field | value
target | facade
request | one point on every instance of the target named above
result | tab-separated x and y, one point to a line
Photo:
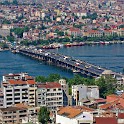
65	91
50	94
94	33
74	32
1	98
18	88
13	115
80	92
74	115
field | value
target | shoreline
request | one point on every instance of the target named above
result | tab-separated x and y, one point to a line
78	44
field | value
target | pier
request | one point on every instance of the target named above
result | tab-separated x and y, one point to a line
63	61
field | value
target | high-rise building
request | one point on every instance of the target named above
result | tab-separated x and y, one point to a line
18	88
50	94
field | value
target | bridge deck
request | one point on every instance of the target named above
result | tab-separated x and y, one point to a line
81	66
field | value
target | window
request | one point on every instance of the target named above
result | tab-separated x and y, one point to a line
16	90
9	103
9	98
59	89
48	89
54	89
8	90
17	98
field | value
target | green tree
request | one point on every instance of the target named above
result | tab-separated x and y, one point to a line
107	85
5	21
53	77
121	26
19	31
44	115
15	2
10	38
40	79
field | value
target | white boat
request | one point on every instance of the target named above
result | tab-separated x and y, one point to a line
1	49
76	71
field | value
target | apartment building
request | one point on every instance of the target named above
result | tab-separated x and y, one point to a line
13	115
80	92
1	98
18	88
65	91
50	94
94	33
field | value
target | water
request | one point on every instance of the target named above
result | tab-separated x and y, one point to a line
15	63
109	56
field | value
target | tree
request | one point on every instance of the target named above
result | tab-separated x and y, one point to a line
53	77
107	85
121	26
15	2
5	21
10	38
40	79
43	115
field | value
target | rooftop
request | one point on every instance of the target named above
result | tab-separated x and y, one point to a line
106	120
73	111
49	85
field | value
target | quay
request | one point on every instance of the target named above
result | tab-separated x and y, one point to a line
63	61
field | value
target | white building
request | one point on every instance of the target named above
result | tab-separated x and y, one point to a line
80	92
18	88
50	94
74	115
65	91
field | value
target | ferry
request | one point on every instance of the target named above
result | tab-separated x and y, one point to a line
52	46
74	44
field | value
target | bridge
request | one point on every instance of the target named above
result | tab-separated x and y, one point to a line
67	62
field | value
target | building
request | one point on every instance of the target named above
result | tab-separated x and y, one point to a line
74	115
94	33
75	32
65	91
13	114
1	98
80	92
114	103
106	120
50	94
18	88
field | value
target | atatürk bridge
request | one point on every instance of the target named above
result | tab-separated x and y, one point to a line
63	61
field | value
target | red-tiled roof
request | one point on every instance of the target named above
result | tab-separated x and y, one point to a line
12	82
109	105
31	82
50	85
121	115
19	82
106	120
71	111
100	100
74	29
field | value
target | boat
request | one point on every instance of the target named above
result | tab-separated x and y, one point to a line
68	45
1	49
102	43
76	71
74	44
